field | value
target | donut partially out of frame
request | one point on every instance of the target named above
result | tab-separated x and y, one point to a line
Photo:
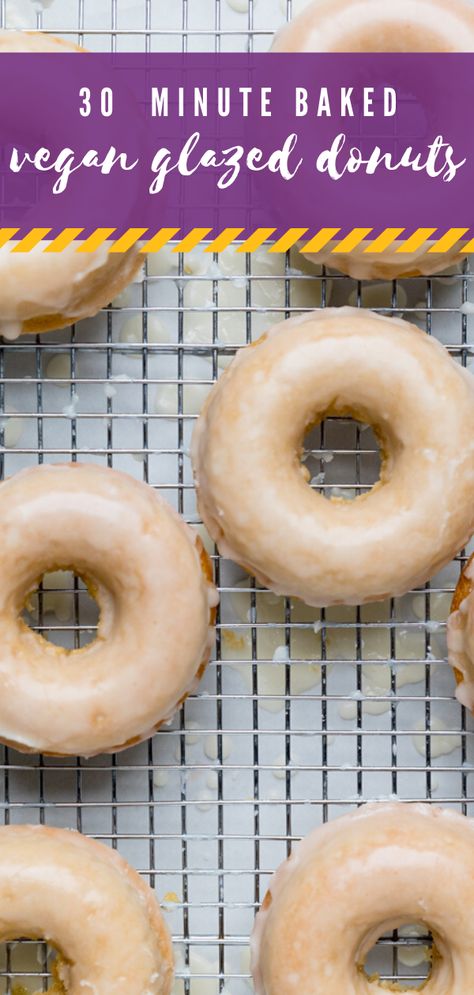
382	26
90	905
41	291
355	879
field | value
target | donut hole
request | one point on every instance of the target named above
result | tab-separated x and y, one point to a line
31	966
62	610
342	458
402	958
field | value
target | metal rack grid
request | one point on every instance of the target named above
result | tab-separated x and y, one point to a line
281	734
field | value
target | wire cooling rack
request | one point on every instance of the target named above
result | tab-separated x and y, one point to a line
302	714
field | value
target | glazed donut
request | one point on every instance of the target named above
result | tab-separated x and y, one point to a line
353	880
90	905
252	488
382	26
153	584
460	634
40	292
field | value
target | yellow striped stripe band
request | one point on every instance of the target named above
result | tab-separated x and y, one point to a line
149	240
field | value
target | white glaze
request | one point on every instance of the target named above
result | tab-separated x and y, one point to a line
271	677
439	604
381	26
85	900
70	410
12	427
376	683
305	646
194	396
348	882
212	780
10	329
413	956
440	746
240	6
199	965
58	368
205	801
132	331
268	285
192	736
156	604
378	295
252	490
161	263
211	746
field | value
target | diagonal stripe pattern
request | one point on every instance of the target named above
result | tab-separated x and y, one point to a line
148	240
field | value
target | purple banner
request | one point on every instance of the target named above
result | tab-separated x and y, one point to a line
214	141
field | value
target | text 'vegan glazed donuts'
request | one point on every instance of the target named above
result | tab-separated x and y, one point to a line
153	583
90	905
41	291
382	26
460	635
252	488
357	878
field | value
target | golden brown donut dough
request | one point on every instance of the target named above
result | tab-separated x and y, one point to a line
382	26
460	634
41	292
